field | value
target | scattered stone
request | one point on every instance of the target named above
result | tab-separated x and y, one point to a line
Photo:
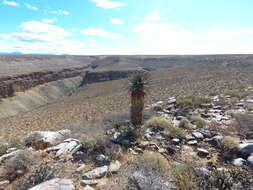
8	156
81	168
202	152
87	187
175	141
90	182
49	138
4	184
125	138
250	161
69	146
215	140
198	135
172	100
146	180
189	138
96	173
192	143
55	184
239	162
114	166
246	149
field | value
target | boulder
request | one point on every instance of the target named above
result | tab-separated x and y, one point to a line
147	180
69	146
4	184
125	138
114	167
96	173
87	187
55	184
198	135
192	143
8	156
46	139
250	161
239	162
245	150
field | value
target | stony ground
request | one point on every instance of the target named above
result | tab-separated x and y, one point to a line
99	99
195	142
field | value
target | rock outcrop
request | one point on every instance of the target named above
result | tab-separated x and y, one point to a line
10	85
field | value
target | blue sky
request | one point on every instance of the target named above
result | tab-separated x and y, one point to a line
92	27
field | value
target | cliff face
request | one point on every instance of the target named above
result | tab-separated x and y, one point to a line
10	85
102	76
21	83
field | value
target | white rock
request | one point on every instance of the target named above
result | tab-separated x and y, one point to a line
87	187
81	168
90	182
239	162
198	135
97	172
4	184
52	137
8	156
55	184
114	167
69	146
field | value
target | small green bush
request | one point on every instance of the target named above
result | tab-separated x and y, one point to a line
163	124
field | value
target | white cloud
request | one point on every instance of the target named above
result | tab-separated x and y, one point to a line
100	33
60	12
153	17
116	21
167	10
38	37
31	7
106	4
49	21
164	38
11	3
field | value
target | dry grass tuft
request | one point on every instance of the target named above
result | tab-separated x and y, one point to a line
163	124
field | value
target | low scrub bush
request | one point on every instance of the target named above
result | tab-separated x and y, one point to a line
184	177
229	148
192	101
163	124
198	121
39	175
244	120
22	161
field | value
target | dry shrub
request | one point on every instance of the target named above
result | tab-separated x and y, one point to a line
245	121
33	139
151	161
11	143
163	124
39	175
185	124
192	101
22	161
232	178
198	121
229	148
184	177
